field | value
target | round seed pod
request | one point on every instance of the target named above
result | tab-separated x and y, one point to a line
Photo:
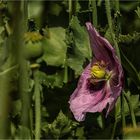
33	45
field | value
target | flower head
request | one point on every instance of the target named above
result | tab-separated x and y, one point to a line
101	82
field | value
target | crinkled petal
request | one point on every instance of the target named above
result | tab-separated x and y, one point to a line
86	99
102	49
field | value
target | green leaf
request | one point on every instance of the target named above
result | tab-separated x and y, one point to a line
54	80
16	108
79	45
55	9
55	47
134	102
100	121
60	127
128	6
75	62
22	132
80	133
138	11
80	37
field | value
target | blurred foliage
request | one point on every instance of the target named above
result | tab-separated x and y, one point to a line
66	52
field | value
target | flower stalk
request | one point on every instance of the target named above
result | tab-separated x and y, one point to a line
108	12
94	13
131	111
37	105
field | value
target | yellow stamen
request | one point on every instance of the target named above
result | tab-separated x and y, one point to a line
98	72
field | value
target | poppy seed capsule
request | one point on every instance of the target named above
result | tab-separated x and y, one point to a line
33	45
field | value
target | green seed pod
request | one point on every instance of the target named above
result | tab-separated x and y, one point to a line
33	45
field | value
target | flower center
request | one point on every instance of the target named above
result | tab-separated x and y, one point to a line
98	71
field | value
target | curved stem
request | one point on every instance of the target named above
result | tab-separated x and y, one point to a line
37	105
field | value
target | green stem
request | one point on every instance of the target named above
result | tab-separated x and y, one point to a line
108	12
37	105
25	13
4	104
25	96
99	2
24	78
117	5
70	10
122	111
114	126
65	73
117	13
94	13
131	111
114	129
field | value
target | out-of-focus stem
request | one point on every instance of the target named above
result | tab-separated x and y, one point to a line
4	105
25	6
19	27
108	12
94	13
117	5
37	105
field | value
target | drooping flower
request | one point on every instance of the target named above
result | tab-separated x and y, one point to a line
101	82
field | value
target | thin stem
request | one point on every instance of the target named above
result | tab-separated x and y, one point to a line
108	12
70	10
117	5
131	111
122	111
37	105
25	13
114	129
94	13
65	73
114	126
117	13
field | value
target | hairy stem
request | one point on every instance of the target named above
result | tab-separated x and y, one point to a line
37	105
108	12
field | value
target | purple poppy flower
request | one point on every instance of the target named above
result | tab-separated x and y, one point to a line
101	82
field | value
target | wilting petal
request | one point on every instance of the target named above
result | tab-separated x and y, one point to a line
102	49
95	92
84	99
